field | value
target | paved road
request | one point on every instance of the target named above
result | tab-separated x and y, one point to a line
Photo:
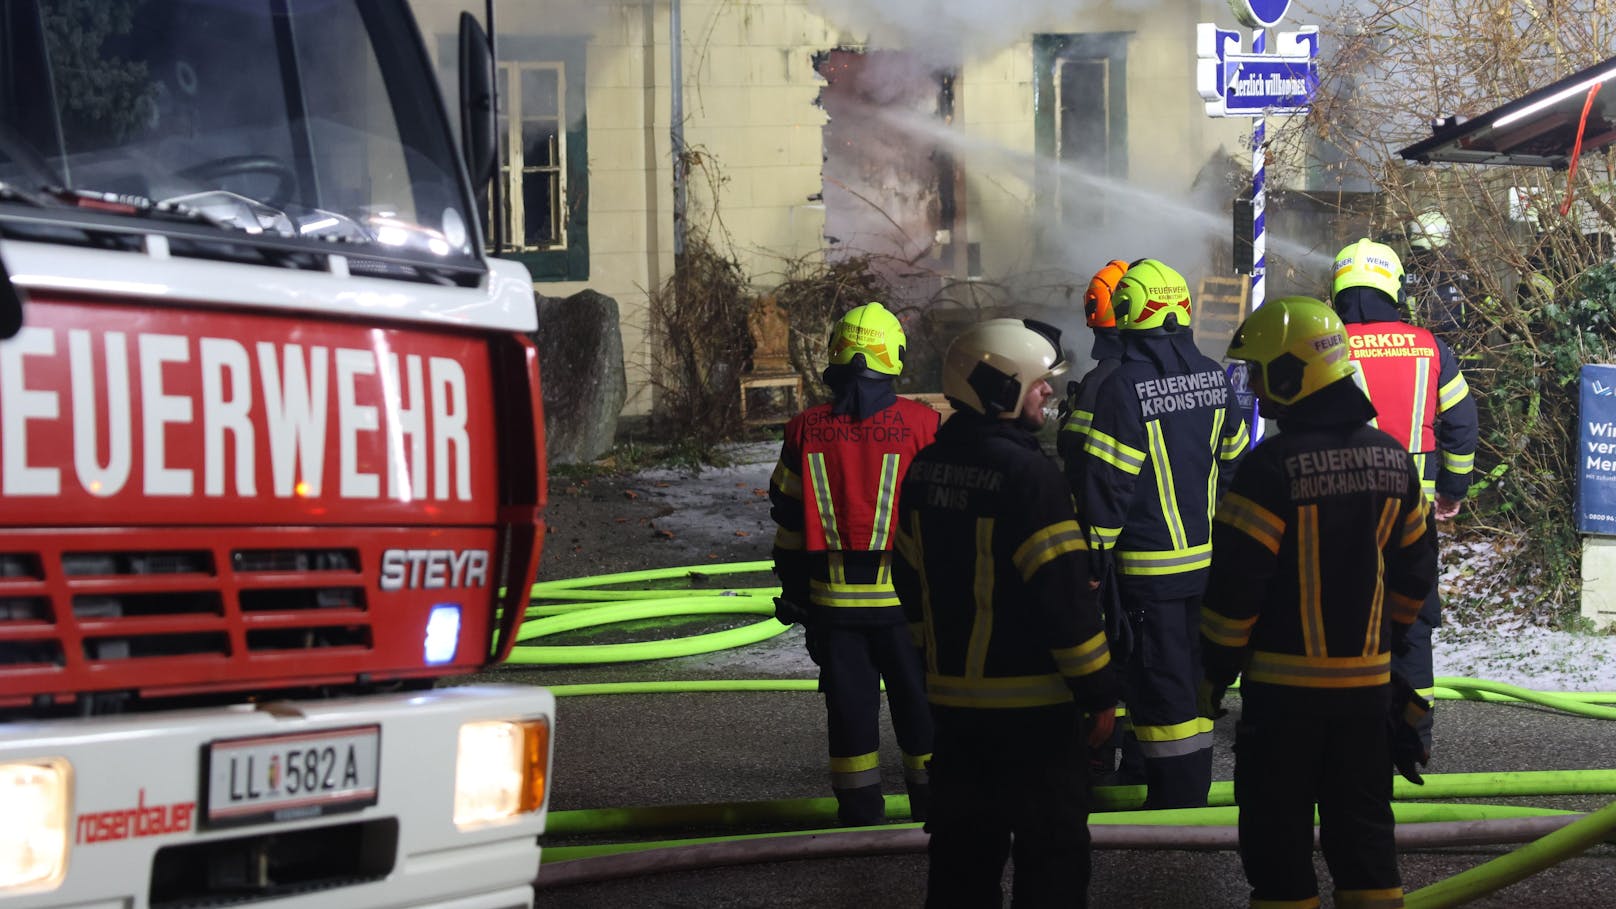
676	749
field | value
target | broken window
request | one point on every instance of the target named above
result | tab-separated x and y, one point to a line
1084	123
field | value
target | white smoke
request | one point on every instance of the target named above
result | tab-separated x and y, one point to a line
951	32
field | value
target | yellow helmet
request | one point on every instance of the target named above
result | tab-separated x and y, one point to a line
1097	309
989	367
872	331
1295	345
1152	297
1369	264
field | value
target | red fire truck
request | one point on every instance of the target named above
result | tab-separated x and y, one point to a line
271	466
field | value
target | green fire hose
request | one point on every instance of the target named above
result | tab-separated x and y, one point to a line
579	603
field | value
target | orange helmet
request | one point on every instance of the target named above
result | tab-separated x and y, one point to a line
1097	299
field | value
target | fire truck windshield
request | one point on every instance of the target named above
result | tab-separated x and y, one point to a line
292	120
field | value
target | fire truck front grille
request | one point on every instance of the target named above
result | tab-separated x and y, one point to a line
89	564
24	612
267	866
187	620
135	647
19	565
131	605
290	599
286	560
308	638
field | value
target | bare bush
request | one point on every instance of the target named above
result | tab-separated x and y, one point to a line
699	329
815	294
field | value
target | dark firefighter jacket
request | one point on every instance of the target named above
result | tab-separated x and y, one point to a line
1079	410
834	495
1421	396
1165	434
993	573
1442	287
1323	552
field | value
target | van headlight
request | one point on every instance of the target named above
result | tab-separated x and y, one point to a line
501	770
35	801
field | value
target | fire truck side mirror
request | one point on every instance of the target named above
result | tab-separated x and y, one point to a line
10	305
478	119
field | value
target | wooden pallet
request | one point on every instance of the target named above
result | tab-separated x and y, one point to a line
1220	306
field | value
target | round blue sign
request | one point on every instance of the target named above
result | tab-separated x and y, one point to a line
1259	13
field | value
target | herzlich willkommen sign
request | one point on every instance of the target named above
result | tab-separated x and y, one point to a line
1236	84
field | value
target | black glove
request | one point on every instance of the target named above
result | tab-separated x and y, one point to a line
1209	699
1399	640
1067	405
1118	629
1403	716
790	607
788	612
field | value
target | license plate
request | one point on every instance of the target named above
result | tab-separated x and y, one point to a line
298	775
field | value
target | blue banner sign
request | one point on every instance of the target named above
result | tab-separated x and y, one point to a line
1596	451
1264	83
1236	84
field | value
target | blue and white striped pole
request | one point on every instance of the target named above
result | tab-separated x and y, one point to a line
1259	239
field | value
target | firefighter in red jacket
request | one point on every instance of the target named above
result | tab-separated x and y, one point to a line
1413	378
1323	551
993	573
834	495
1165	433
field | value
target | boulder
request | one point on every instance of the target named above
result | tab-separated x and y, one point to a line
581	368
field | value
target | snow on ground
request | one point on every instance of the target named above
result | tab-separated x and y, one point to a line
1500	649
1485	635
1531	657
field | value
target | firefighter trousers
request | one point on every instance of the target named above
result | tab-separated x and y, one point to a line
1415	663
1289	758
1009	784
1170	736
853	661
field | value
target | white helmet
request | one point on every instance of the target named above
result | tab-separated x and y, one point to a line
989	367
1430	230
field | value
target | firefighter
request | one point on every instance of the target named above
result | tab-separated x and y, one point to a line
1442	281
1078	408
1076	413
1165	433
834	496
993	574
1323	550
1423	401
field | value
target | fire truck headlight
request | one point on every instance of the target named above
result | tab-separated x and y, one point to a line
442	633
35	801
501	770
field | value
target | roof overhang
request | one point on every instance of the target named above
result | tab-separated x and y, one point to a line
1535	130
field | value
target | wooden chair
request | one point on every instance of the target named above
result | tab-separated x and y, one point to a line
771	362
